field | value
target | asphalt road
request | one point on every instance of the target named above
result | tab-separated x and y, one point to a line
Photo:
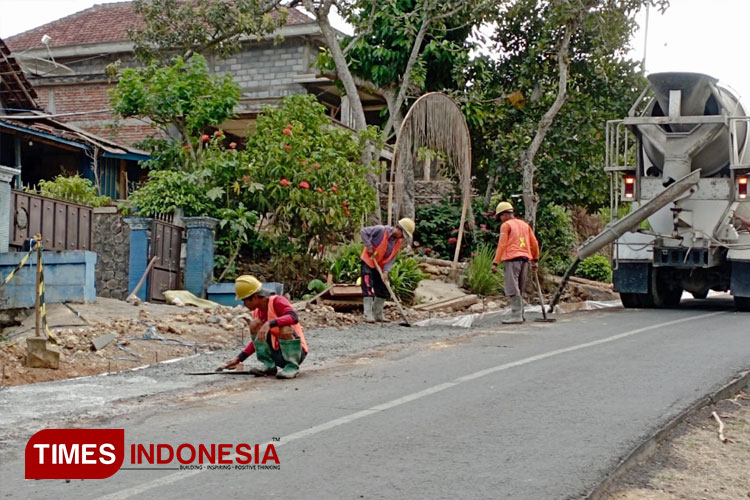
541	411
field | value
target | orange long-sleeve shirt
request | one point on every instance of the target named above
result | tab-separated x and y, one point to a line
516	240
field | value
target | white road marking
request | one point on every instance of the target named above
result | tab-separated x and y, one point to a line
178	476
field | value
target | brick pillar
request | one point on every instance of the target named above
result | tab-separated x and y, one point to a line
140	227
199	264
6	178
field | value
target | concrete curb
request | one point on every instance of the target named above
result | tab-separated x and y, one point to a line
647	449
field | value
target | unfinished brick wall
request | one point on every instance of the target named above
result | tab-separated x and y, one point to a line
267	70
78	97
262	70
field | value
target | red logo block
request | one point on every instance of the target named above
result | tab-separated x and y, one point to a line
75	453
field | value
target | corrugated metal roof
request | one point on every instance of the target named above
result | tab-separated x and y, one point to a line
15	90
68	134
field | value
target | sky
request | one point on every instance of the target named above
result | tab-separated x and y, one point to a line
703	36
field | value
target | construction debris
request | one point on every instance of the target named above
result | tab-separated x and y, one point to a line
455	303
185	298
100	343
580	289
340	297
41	354
722	437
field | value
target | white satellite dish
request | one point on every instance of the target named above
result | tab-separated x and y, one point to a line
38	66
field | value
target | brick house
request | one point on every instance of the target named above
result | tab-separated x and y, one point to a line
42	147
68	71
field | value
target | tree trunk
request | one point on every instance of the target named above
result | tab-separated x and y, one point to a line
355	103
490	186
530	198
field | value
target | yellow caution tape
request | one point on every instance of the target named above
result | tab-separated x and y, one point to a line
18	267
42	305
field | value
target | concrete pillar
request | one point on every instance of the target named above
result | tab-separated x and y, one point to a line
140	227
199	264
6	178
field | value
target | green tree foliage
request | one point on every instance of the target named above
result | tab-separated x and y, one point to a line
543	105
215	187
386	32
183	95
398	47
596	267
313	182
557	237
186	28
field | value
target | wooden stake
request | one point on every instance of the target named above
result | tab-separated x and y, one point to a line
134	294
37	305
721	427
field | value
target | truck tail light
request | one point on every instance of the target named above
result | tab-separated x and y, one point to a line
630	187
742	187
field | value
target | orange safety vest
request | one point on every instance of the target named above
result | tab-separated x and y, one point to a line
271	314
381	249
516	240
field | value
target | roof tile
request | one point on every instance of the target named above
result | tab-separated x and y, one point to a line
101	23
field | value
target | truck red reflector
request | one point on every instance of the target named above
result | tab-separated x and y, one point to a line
629	187
742	187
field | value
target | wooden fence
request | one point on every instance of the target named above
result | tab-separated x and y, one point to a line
63	225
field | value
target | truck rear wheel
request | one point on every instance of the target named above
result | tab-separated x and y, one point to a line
630	300
634	300
665	293
742	303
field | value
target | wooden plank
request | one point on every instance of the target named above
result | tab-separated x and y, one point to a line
48	223
345	291
455	303
19	234
71	238
59	230
35	217
84	228
123	192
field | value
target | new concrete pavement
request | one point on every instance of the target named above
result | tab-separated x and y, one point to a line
540	411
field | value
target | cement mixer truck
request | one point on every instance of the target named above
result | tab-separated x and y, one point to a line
681	162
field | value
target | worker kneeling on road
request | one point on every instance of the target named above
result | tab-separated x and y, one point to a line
277	336
382	243
516	247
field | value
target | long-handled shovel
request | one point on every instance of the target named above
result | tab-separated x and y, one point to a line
393	295
544	318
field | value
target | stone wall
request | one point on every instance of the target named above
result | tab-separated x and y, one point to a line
112	243
426	192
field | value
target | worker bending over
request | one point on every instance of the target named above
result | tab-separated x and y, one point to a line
516	247
277	336
382	243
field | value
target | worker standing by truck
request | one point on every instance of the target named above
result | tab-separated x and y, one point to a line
382	244
518	248
278	340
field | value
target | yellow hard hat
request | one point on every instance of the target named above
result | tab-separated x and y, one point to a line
407	225
245	286
503	206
